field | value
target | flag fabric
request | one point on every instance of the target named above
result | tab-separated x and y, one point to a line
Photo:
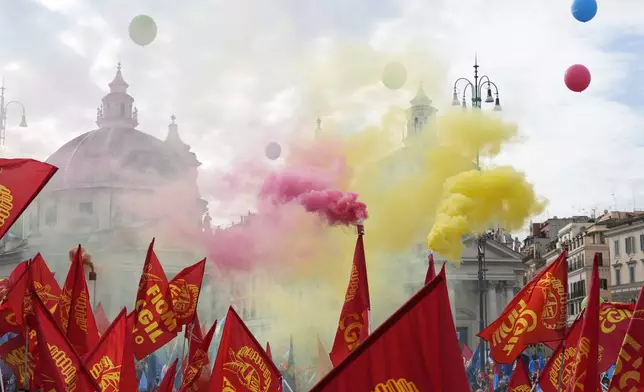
427	361
102	322
154	321
585	373
12	353
111	362
324	363
197	362
61	369
242	364
43	280
563	356
536	314
431	270
466	353
8	323
74	308
520	381
167	384
628	374
21	180
353	326
268	351
184	291
614	319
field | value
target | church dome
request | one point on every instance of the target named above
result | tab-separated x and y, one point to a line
113	157
117	154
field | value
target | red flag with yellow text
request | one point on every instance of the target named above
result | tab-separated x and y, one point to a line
416	349
43	280
154	320
20	182
184	290
585	367
12	353
75	310
629	372
536	314
197	361
167	384
520	381
8	321
353	326
194	336
431	270
242	364
60	367
102	322
111	362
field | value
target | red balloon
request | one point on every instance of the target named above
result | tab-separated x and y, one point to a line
577	78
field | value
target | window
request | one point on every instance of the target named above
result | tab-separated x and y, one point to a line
571	309
629	243
618	277
600	257
631	273
603	284
86	207
616	248
642	242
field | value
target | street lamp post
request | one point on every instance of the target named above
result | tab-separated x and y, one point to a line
476	88
3	117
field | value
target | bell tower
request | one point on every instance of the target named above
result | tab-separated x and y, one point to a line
117	109
419	114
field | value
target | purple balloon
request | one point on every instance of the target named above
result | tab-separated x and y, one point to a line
273	151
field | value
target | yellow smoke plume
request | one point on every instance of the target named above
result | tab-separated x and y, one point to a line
474	200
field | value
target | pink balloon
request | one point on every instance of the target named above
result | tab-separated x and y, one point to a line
577	78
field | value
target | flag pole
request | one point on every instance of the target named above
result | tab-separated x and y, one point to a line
1	380
360	228
287	386
564	312
26	383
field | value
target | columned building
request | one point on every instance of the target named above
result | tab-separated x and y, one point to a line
116	188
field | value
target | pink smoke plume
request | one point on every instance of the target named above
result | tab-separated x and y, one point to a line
312	192
337	207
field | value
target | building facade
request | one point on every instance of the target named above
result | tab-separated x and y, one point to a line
625	239
116	188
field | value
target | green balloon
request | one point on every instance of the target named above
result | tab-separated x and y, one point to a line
585	301
143	30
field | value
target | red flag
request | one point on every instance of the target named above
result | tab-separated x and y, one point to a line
167	384
585	367
46	285
8	321
614	318
197	361
466	353
420	336
268	351
431	270
102	322
536	314
152	310
629	372
195	337
112	358
12	353
184	290
520	381
75	310
61	369
242	364
20	181
353	327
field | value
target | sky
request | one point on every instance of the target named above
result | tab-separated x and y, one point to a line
229	70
